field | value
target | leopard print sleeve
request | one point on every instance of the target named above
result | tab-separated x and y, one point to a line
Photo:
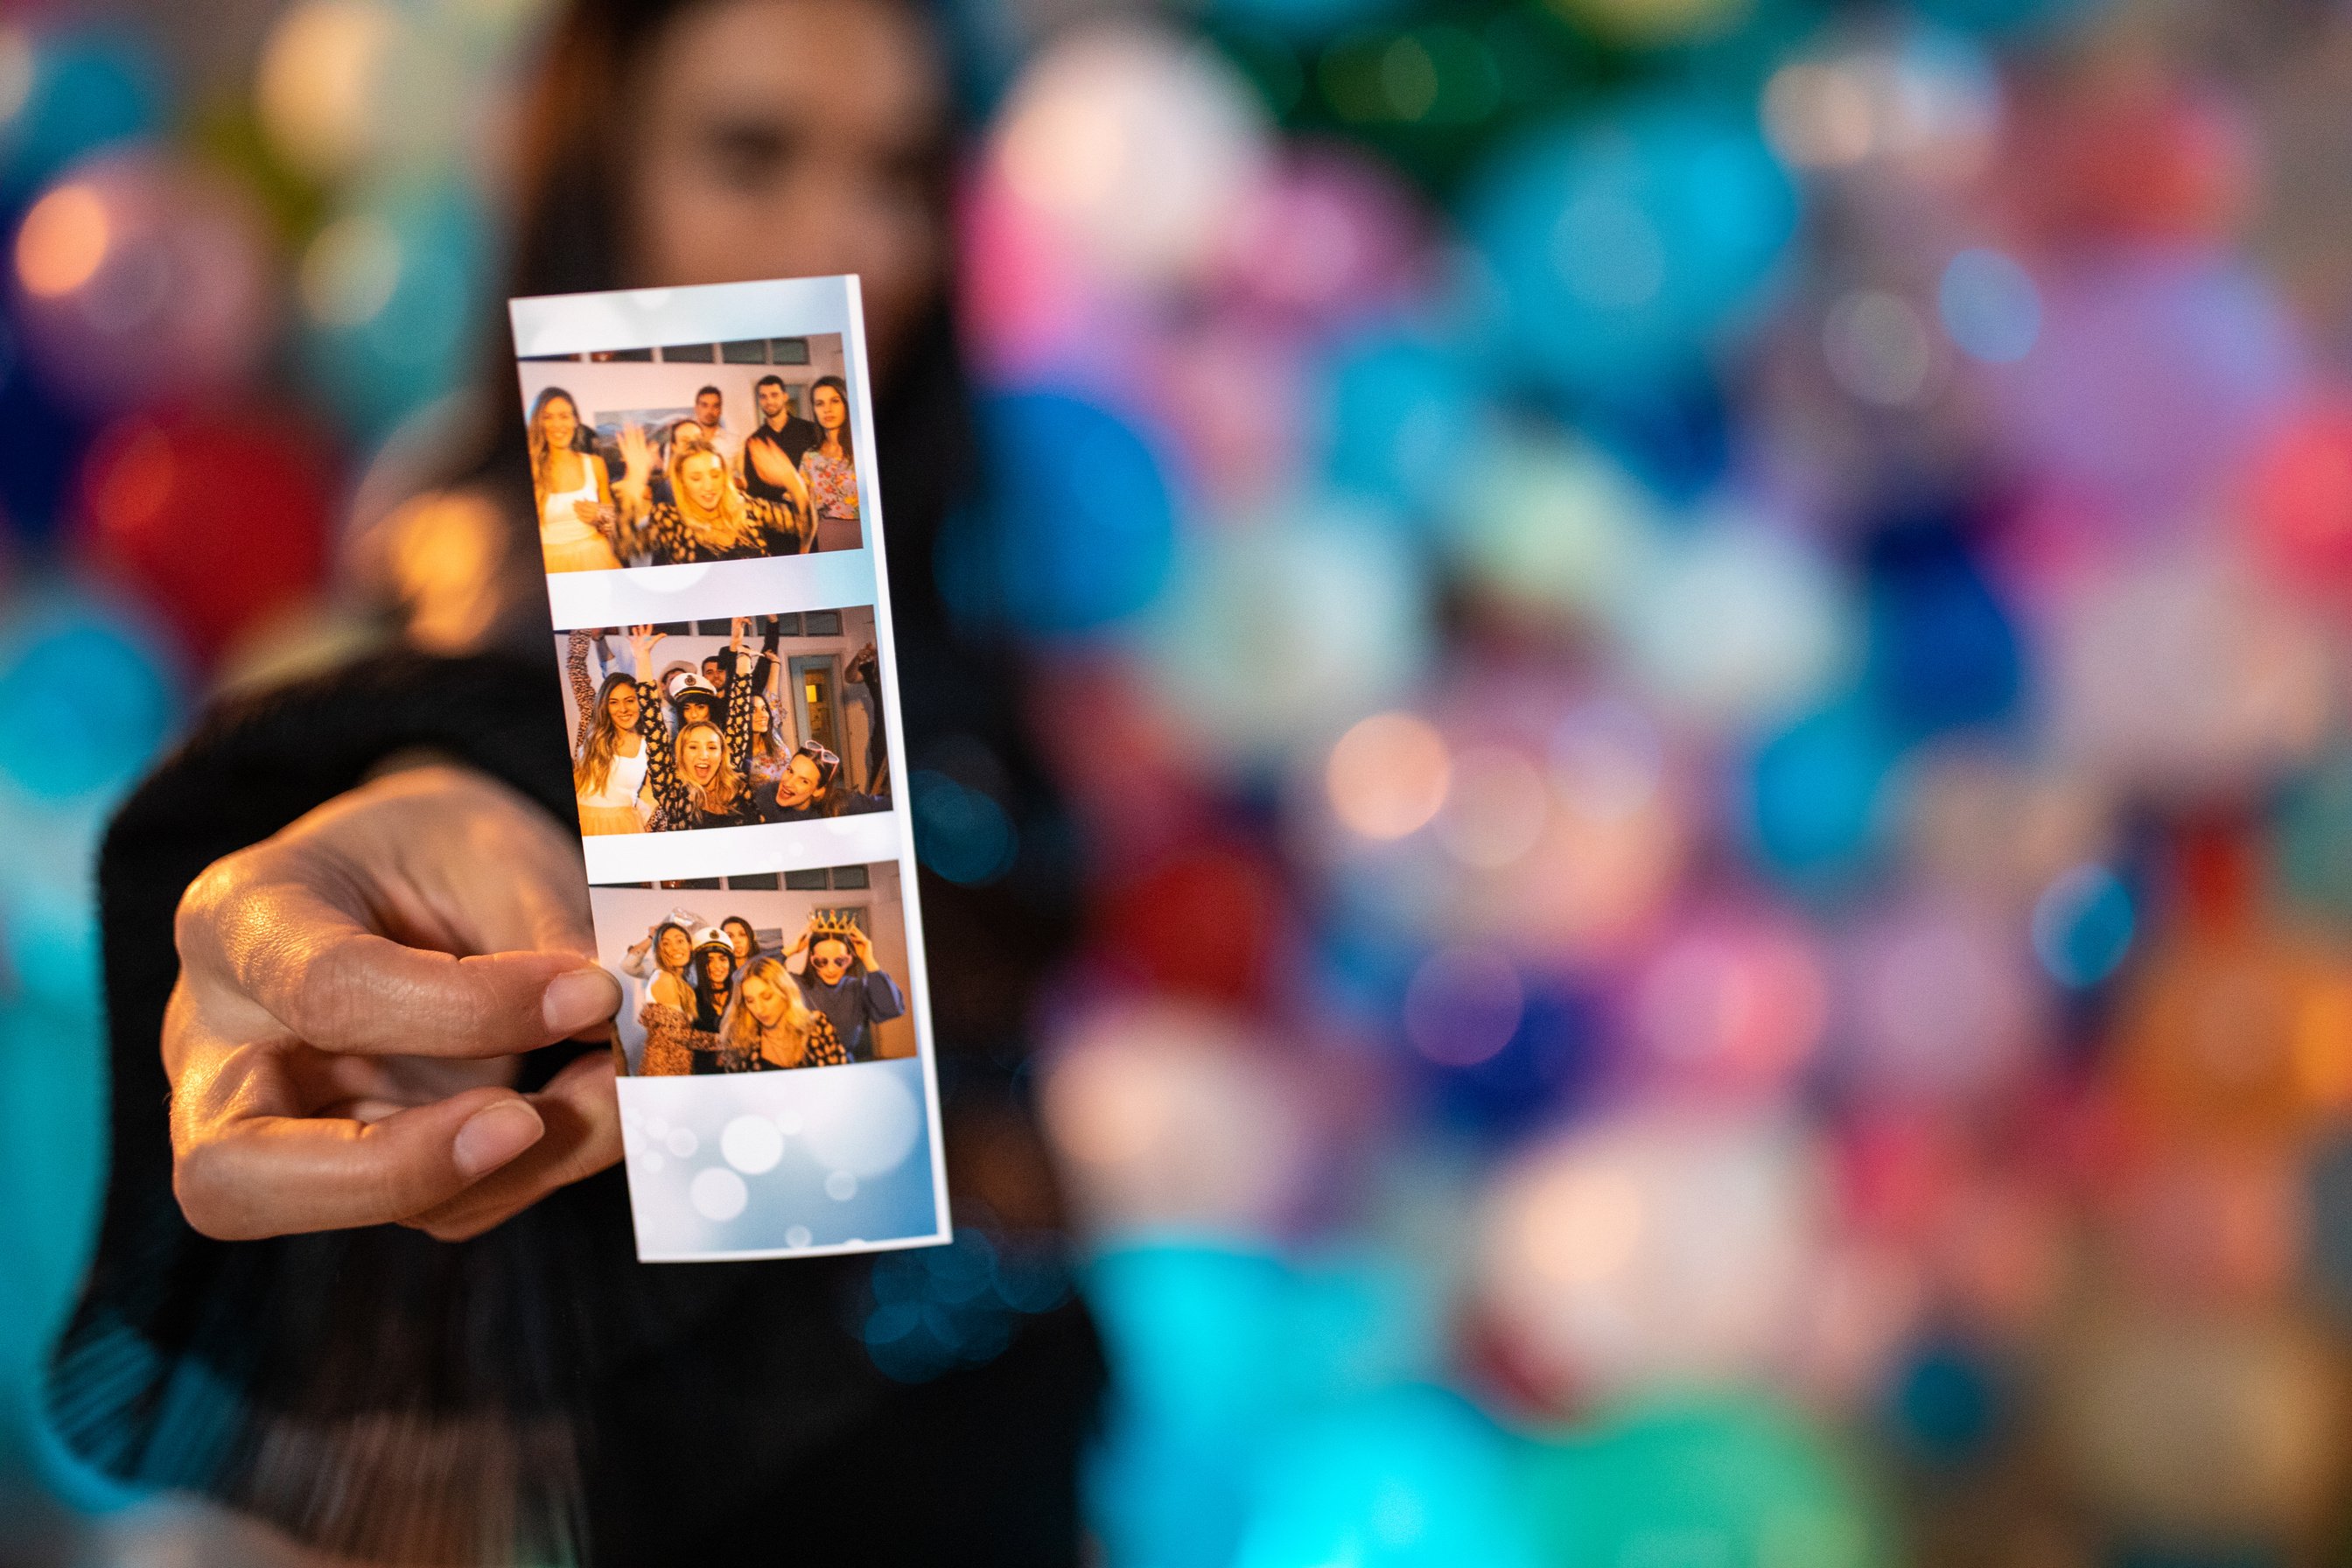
672	545
583	693
672	807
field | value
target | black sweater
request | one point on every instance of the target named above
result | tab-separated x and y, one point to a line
393	1397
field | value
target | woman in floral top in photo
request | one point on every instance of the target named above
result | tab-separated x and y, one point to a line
829	468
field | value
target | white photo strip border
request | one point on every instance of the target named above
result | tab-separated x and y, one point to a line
815	1160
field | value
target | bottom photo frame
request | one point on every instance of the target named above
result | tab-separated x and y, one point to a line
773	1101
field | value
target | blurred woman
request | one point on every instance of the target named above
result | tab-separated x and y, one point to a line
662	961
771	1026
714	981
430	1342
576	514
829	468
843	979
677	1043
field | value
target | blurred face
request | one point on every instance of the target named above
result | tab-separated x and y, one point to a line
830	959
706	410
698	754
799	784
558	422
832	412
762	721
766	1003
622	706
675	949
702	479
771	402
790	139
717	965
696	711
739	937
713	671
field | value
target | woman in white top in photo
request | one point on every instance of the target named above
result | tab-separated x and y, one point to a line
574	493
609	754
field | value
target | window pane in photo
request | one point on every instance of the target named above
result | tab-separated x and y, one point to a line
788	350
761	882
751	351
689	353
622	357
821	624
788	625
693	882
676	628
714	628
850	876
803	882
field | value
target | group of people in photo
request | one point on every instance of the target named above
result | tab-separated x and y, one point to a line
685	747
695	492
716	1001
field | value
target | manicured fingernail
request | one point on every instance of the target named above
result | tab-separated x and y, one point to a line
495	1134
579	997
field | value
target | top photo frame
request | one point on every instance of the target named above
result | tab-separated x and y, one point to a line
692	453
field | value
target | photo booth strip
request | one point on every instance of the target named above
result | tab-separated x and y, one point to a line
810	1160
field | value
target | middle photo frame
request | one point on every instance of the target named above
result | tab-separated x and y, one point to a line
709	747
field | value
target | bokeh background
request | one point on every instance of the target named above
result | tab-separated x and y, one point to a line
1698	648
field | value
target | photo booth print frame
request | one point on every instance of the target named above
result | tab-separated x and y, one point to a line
806	1162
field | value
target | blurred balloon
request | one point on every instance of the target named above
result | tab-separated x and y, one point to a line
1731	1005
1174	1119
348	86
1734	625
390	290
1937	1003
2236	1031
2181	676
1986	821
1947	1402
1818	799
1080	531
143	279
1943	651
1656	22
1989	306
221	521
63	95
1412	1476
1207	920
2153	376
91	702
1710	1480
1647	1251
2298	500
1112	110
2083	925
1329	238
1550	527
1406	418
1280	628
1919	100
1625	244
2105	156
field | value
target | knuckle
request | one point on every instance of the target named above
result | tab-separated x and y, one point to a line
205	1199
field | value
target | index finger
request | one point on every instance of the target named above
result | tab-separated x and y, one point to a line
332	983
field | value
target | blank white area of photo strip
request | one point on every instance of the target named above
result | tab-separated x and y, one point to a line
711	590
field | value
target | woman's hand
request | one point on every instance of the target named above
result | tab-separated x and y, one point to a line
631	487
354	996
641	646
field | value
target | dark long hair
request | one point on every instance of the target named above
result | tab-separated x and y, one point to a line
841	388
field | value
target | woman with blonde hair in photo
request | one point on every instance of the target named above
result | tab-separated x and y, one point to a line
770	1026
576	512
706	518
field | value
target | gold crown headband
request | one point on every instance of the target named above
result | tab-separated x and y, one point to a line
826	922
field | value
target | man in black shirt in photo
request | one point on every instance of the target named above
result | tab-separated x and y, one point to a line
774	447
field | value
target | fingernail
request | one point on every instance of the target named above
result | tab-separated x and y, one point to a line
495	1134
579	997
